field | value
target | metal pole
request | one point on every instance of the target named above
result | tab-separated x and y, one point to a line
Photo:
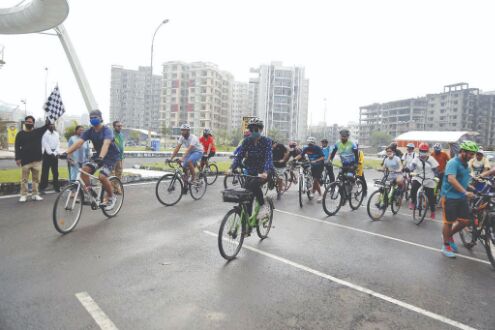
46	83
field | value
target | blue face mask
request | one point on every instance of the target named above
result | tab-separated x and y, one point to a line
95	121
255	135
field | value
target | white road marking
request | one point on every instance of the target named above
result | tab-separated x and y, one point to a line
378	235
95	311
356	287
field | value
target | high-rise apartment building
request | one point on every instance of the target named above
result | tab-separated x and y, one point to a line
280	98
133	100
240	104
197	93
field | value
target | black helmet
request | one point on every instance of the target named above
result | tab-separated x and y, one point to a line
393	145
345	133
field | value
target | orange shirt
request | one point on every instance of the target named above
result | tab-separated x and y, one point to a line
206	143
442	158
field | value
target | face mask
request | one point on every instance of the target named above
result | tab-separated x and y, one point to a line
95	121
423	155
255	135
29	126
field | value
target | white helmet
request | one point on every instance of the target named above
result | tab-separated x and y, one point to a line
311	140
185	126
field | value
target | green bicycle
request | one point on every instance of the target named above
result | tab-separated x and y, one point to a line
239	221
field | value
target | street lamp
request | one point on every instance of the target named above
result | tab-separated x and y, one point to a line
165	21
24	101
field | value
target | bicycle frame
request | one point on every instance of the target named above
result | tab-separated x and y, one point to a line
80	183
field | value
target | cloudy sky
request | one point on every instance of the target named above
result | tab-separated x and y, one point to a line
355	52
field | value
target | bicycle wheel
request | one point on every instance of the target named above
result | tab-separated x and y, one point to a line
265	224
490	240
288	180
231	234
118	192
301	187
168	189
407	190
68	208
309	186
198	188
232	181
397	203
332	199
420	208
357	195
211	173
376	205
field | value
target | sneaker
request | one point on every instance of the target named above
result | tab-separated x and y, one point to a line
319	199
432	215
109	204
452	245
310	195
37	198
411	205
23	199
447	251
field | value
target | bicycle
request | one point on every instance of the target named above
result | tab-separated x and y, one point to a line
171	186
210	171
239	221
407	184
482	224
305	180
291	176
422	204
68	205
345	188
383	197
326	181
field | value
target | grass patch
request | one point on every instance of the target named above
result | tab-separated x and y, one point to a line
14	175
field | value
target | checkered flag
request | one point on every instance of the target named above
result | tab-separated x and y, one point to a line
54	107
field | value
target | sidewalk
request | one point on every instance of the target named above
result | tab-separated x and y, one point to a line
7	154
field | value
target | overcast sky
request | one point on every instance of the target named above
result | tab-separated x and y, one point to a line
355	52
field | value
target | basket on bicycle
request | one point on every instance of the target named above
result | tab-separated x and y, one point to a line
237	195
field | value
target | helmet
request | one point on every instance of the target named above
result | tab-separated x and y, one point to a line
469	146
292	144
324	141
255	122
207	131
437	147
96	113
344	133
311	140
480	151
424	147
410	145
185	126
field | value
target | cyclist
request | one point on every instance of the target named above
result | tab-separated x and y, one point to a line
209	149
280	153
442	158
316	159
479	164
107	154
393	164
395	150
327	150
257	151
455	196
348	151
360	171
194	150
428	168
409	156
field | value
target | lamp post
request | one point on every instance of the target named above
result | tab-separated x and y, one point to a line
165	21
24	101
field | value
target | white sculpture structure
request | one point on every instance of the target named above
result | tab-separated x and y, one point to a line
32	16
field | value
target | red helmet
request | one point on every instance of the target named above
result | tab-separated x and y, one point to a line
424	147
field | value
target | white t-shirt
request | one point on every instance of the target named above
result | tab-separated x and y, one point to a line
393	165
417	167
408	158
477	167
192	140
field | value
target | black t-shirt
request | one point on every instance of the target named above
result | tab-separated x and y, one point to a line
28	145
278	154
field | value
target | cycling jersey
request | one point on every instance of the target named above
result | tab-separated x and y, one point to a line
206	142
460	170
278	155
258	156
442	158
313	152
348	152
327	151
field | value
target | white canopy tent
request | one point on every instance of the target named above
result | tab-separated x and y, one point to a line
435	136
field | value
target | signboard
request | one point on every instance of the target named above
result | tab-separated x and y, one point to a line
245	121
11	132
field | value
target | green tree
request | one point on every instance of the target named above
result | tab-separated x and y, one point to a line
134	136
379	138
71	130
276	135
166	131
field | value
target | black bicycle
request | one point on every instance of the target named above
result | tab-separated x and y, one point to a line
386	194
422	204
347	187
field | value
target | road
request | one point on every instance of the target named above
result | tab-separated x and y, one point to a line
154	267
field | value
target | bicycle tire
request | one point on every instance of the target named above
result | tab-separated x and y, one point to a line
56	217
382	208
490	240
334	193
288	180
354	195
407	190
300	191
116	183
396	203
267	223
213	174
162	182
222	240
198	190
420	208
467	237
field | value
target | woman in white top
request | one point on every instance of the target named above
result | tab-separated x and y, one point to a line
427	167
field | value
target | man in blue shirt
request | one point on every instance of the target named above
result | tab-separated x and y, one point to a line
455	196
316	158
107	154
327	150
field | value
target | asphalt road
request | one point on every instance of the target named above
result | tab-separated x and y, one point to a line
154	267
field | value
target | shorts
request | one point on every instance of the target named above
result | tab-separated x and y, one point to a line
194	157
454	209
279	171
211	154
316	171
106	167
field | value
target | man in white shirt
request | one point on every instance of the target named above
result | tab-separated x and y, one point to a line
50	145
194	149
